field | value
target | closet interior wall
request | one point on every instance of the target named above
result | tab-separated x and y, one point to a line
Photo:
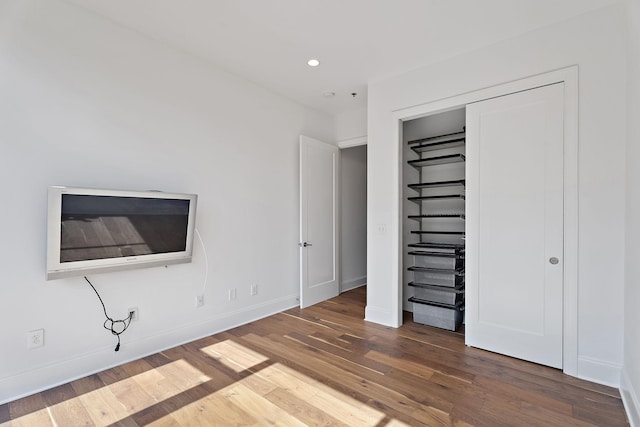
425	127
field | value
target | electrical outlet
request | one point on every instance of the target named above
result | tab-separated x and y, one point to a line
254	290
135	315
232	294
199	301
35	338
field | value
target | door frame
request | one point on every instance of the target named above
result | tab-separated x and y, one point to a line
568	76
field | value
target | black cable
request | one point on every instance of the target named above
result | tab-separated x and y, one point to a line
125	322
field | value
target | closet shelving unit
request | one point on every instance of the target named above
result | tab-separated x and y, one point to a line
438	255
437	160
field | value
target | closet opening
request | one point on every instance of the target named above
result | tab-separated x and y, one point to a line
433	219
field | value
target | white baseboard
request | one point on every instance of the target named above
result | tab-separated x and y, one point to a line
353	283
63	371
379	316
599	371
630	398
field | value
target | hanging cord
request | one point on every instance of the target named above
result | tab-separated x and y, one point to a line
110	324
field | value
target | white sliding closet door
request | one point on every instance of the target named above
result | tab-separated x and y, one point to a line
514	262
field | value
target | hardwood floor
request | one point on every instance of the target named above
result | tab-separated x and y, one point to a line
324	365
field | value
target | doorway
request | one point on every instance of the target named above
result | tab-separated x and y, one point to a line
333	219
353	217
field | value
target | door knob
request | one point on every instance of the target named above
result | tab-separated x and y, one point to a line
553	260
304	245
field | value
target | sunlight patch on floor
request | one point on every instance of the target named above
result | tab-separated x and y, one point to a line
114	402
234	356
38	418
258	395
256	400
271	394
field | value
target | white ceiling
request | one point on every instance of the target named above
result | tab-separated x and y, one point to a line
357	41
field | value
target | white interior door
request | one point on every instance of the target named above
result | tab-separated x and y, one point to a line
514	262
319	167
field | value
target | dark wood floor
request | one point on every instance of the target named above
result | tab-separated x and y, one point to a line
324	365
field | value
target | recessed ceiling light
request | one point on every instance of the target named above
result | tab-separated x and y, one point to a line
329	94
313	62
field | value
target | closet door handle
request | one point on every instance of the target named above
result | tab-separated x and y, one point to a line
553	260
304	245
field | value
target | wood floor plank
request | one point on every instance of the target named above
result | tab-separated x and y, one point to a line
26	406
432	417
324	366
58	394
71	412
358	385
302	409
4	413
132	395
40	418
103	407
310	360
361	386
166	421
156	360
126	422
113	375
524	378
150	415
87	384
600	415
504	390
322	397
182	375
339	354
263	410
415	368
551	417
213	410
234	355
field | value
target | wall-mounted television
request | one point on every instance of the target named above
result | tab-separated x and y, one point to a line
97	231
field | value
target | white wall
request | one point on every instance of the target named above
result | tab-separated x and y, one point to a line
84	102
630	381
600	56
351	127
353	217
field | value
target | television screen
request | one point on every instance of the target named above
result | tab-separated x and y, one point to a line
107	230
